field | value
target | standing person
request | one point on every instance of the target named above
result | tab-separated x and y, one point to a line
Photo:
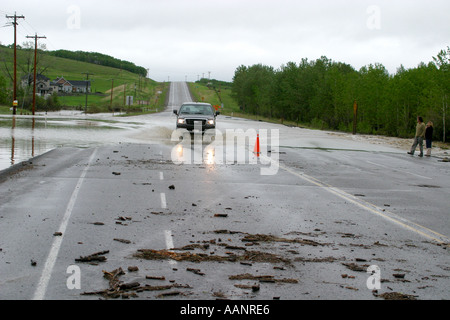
429	137
418	139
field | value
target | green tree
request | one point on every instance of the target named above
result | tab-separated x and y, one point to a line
442	62
3	91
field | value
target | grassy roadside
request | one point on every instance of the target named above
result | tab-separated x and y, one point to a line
103	80
207	94
154	94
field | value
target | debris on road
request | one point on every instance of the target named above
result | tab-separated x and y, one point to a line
122	240
255	256
220	215
196	271
253	287
264	278
270	238
98	256
355	267
118	288
395	296
155	278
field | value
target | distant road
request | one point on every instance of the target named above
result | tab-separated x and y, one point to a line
178	94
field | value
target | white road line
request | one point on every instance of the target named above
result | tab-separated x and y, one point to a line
169	240
383	166
169	243
163	201
419	229
56	245
161	176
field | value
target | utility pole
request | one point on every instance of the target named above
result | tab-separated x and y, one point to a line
35	37
124	95
15	17
112	92
355	116
87	86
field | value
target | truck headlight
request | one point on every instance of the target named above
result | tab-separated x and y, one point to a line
181	121
211	122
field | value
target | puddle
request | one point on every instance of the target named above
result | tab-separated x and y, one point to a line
25	137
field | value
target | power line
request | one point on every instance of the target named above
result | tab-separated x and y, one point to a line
35	37
87	86
15	17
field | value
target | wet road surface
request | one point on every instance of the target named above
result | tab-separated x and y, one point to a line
333	209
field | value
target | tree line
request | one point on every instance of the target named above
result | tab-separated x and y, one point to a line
322	93
100	59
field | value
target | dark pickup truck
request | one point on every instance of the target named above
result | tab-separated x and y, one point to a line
195	112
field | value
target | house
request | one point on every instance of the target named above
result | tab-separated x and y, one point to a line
70	86
43	86
60	85
80	86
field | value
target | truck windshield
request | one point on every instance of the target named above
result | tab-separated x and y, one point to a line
195	109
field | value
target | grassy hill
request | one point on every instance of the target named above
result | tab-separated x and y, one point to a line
101	78
216	93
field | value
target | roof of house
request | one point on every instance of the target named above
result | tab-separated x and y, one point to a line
39	77
77	83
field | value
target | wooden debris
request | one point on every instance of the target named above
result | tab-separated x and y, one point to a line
196	271
155	278
255	256
119	289
270	238
253	287
264	278
98	256
355	267
396	296
122	240
169	294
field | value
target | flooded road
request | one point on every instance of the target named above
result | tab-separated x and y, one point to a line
339	216
25	137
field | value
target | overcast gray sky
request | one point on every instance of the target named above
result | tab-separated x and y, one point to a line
184	39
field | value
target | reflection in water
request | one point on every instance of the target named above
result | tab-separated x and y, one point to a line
13	141
190	154
22	137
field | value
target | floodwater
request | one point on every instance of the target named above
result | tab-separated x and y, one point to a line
25	137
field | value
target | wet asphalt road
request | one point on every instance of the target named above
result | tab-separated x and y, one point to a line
332	209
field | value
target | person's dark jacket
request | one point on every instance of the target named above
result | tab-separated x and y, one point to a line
429	133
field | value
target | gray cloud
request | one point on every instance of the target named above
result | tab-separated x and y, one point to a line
178	38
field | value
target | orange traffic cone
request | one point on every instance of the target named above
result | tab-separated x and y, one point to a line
257	147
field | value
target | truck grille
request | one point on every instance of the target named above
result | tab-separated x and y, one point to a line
193	121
